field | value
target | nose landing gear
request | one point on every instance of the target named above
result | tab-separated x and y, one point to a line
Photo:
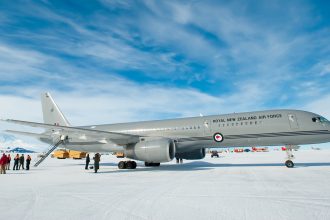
289	164
290	157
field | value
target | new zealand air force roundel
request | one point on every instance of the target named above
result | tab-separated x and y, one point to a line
218	137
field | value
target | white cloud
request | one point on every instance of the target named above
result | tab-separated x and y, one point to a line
321	106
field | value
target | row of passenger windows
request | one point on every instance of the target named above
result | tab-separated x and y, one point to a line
198	127
240	123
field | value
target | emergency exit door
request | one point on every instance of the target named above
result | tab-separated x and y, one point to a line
293	121
207	127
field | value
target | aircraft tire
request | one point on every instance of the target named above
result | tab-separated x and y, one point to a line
134	164
122	165
289	164
130	165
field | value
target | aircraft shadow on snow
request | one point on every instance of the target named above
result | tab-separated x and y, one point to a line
201	165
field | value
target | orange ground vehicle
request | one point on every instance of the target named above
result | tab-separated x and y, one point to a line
77	154
120	155
63	154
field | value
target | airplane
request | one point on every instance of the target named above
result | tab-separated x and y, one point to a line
159	141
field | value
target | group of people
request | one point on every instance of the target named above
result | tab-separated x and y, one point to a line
18	162
96	158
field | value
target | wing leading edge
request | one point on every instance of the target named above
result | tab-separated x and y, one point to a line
118	138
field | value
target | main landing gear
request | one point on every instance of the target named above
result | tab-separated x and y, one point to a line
127	164
288	150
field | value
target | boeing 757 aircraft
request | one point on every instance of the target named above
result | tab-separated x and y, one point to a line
160	141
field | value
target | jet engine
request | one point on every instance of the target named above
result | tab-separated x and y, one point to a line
152	150
192	155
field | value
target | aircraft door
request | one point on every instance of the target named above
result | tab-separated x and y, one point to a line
293	121
207	127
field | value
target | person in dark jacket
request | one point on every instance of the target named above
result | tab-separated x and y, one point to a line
16	159
97	159
87	162
28	160
21	162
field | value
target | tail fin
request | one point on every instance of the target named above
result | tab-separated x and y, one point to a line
51	112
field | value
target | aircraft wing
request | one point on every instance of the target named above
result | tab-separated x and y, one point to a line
118	138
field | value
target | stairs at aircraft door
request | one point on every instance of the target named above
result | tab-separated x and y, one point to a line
53	147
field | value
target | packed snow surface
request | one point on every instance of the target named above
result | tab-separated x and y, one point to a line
234	186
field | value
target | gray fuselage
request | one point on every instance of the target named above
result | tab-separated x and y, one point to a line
262	128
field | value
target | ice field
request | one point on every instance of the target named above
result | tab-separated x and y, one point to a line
235	186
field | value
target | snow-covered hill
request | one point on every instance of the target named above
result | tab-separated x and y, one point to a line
9	142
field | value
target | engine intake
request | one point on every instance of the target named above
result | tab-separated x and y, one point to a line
152	150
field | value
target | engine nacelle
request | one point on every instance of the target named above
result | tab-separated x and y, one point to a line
152	150
192	155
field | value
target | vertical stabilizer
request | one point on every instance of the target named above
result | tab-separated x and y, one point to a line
51	112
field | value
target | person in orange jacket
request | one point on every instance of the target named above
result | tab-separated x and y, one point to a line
28	160
16	160
8	162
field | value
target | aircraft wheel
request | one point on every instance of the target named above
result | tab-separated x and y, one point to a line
134	164
289	164
156	164
122	165
130	165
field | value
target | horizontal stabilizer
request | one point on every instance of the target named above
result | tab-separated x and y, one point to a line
35	135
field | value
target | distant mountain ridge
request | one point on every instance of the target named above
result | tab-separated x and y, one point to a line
21	150
10	143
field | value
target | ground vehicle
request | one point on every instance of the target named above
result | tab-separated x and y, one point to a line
214	153
63	154
120	155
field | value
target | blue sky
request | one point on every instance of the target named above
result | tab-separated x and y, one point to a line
113	61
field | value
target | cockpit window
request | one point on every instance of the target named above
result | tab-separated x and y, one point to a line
319	119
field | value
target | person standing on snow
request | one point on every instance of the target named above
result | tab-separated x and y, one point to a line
87	161
28	160
3	163
8	164
97	159
16	159
21	162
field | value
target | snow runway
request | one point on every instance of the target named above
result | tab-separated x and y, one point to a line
235	186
